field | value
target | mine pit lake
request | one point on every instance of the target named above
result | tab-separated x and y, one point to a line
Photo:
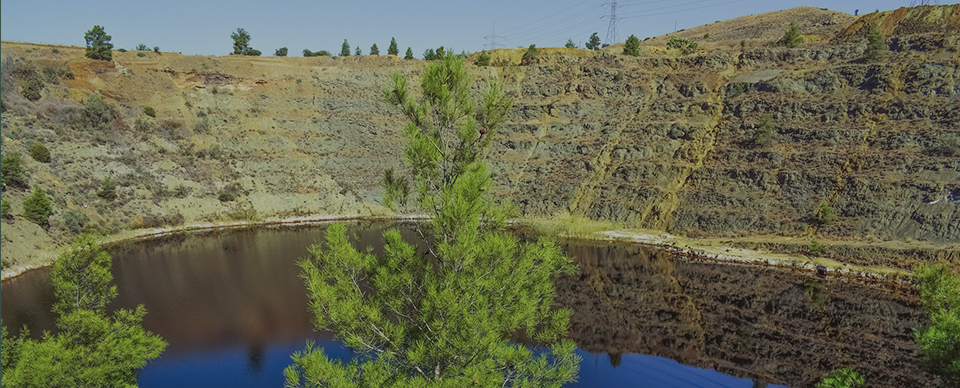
233	310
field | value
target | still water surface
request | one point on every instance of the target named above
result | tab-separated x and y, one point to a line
233	310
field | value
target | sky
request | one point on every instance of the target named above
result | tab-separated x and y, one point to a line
200	27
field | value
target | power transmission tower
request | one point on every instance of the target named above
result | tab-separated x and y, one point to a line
493	38
612	35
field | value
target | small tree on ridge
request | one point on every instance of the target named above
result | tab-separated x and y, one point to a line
241	41
632	46
393	50
98	44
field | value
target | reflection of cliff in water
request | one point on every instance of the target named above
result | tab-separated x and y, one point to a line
762	324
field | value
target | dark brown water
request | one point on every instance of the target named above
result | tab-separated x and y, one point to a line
233	309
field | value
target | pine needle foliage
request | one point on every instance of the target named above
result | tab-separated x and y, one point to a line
792	38
392	49
441	318
842	378
92	348
632	46
940	341
876	46
98	44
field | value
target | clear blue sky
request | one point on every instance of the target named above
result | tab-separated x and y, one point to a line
204	27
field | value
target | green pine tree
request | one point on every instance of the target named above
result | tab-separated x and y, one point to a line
876	45
91	349
570	44
632	46
98	44
440	318
241	41
374	50
408	54
530	56
393	50
940	341
792	38
594	42
345	49
37	207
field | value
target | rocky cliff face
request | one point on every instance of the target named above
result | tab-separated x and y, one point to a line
722	142
671	146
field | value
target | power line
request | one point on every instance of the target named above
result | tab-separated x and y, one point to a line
639	14
563	31
493	37
612	35
538	30
547	17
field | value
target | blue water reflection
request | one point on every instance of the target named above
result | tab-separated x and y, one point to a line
639	370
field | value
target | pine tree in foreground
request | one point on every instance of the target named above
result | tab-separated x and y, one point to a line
440	319
92	349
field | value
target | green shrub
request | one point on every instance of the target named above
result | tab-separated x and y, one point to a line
141	55
619	76
53	74
31	86
181	191
686	46
11	170
706	36
55	51
762	136
202	126
142	47
483	59
143	125
122	50
149	111
108	189
792	38
37	207
632	46
570	44
816	248
530	56
227	196
825	214
281	52
75	220
842	378
39	152
5	209
97	114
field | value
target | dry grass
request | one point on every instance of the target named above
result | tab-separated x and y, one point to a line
768	26
566	225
